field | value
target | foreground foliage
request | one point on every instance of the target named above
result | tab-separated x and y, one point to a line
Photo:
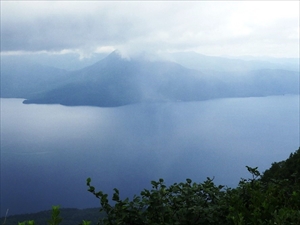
269	198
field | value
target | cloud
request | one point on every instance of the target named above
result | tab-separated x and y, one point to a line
213	28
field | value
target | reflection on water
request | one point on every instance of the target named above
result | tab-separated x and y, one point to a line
48	151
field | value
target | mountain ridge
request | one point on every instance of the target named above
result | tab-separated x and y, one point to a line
116	80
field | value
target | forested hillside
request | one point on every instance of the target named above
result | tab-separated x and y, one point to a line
264	199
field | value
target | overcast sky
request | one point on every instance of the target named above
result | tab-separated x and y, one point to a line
257	28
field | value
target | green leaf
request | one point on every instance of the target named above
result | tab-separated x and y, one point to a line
188	180
88	181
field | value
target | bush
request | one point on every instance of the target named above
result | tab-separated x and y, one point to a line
271	198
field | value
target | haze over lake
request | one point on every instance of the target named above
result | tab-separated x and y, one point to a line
127	92
48	151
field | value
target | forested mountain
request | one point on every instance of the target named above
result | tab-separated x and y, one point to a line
288	170
116	81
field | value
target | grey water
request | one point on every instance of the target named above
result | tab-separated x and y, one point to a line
48	151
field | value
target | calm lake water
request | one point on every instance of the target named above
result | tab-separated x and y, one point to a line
48	151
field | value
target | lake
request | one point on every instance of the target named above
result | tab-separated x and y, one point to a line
48	151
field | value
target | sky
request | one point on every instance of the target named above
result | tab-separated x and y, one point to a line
217	28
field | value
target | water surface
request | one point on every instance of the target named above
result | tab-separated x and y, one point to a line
48	151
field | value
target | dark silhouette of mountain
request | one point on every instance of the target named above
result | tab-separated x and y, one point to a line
116	81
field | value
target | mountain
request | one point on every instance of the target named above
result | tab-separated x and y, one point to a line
24	78
116	81
231	64
67	61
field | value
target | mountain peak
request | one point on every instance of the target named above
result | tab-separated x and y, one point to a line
118	55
